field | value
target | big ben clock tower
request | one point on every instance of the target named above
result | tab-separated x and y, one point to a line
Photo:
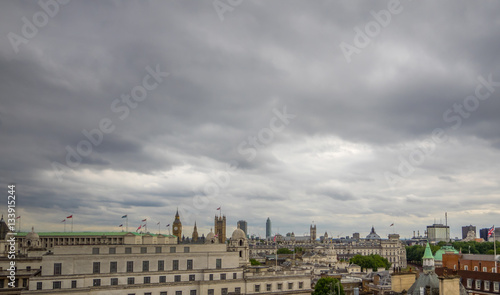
177	226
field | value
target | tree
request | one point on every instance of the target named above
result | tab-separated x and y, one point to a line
284	251
254	262
327	286
373	261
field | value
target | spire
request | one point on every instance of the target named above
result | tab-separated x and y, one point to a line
428	259
177	214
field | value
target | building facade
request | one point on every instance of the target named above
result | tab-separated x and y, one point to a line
242	224
220	228
466	229
268	228
438	233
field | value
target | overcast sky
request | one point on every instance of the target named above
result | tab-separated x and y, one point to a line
347	114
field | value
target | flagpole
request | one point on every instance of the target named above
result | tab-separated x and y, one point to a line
64	225
494	249
126	220
71	223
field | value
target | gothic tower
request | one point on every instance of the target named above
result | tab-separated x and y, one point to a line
195	233
312	229
177	226
220	228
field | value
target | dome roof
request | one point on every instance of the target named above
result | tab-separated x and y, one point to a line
210	235
373	235
32	235
238	234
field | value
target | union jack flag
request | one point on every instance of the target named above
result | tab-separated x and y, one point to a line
490	231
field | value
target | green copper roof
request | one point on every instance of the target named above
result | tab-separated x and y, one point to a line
428	252
444	249
76	234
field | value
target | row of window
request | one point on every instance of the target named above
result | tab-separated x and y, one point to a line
57	285
476	268
131	281
279	286
113	266
486	285
144	250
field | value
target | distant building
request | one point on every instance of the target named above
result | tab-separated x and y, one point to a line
312	231
242	224
220	228
373	235
483	233
268	228
466	229
438	232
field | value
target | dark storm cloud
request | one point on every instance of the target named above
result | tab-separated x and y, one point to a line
226	79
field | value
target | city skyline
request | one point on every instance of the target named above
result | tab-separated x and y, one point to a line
346	114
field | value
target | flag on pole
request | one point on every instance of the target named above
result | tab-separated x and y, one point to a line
218	208
275	238
392	224
168	225
124	216
158	223
71	216
144	220
63	220
18	217
140	226
216	236
144	226
120	225
490	231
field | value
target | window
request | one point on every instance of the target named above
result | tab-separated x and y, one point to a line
130	281
96	267
486	285
172	249
301	285
73	284
113	266
112	250
257	288
95	250
234	276
39	285
128	250
466	267
237	290
147	293
144	250
280	286
218	263
56	285
210	291
145	265
268	287
485	269
130	266
114	282
290	286
147	280
57	268
158	249
97	282
211	277
163	293
175	265
190	264
178	292
28	268
177	278
496	286
478	284
186	249
191	277
469	283
161	265
223	291
163	279
192	292
222	276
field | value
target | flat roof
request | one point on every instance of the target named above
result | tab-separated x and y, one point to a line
76	234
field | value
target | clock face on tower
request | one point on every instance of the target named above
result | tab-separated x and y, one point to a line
175	228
